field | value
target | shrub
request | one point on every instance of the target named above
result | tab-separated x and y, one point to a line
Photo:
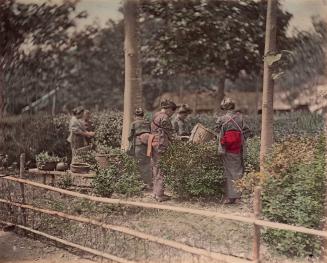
65	181
297	123
252	161
193	170
108	128
32	134
44	157
88	157
294	193
252	177
121	177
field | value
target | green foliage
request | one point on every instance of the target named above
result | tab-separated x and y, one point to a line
294	193
177	30
108	129
252	177
300	123
66	181
304	63
88	157
193	170
252	160
297	123
47	28
122	177
44	157
32	134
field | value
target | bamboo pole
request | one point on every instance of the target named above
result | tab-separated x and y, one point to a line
128	231
257	214
248	220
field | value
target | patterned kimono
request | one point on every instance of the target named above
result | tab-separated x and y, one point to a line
75	139
234	132
162	130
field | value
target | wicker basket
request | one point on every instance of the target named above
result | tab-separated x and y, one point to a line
201	134
80	168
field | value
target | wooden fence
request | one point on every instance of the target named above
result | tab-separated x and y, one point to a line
255	221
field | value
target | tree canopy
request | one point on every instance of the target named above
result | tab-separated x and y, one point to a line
193	36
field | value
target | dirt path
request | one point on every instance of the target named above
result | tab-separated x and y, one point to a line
17	249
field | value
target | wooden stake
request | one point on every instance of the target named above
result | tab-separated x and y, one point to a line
257	214
22	186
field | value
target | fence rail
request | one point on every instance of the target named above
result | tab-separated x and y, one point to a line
70	244
258	223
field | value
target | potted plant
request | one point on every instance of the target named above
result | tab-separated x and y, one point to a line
46	162
106	155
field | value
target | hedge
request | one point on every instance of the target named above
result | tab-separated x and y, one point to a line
294	193
32	134
193	170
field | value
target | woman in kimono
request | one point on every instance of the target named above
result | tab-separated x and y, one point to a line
233	134
180	123
77	131
138	138
162	133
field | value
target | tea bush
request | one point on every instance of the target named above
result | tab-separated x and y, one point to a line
193	170
297	123
294	193
252	160
44	157
300	123
121	177
108	128
252	177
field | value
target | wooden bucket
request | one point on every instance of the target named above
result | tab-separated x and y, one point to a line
201	134
80	168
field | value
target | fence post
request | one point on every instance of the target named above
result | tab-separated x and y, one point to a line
22	187
257	214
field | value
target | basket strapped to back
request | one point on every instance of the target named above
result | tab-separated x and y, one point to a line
201	134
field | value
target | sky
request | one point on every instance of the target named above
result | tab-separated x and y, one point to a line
102	10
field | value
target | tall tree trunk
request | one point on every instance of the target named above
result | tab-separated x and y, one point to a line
268	84
133	91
